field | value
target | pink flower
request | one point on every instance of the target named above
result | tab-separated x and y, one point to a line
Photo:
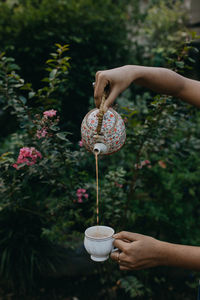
119	185
80	200
80	143
27	156
50	113
81	193
41	133
142	164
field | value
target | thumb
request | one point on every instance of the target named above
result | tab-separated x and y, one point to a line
130	236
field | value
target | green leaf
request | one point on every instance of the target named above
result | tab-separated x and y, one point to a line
31	95
53	73
62	136
50	61
54	128
23	99
180	64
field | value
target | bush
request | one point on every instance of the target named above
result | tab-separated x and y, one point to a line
39	182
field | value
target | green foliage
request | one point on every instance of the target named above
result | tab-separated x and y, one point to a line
113	197
164	26
164	33
132	285
42	193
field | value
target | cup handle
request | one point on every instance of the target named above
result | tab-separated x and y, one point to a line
114	250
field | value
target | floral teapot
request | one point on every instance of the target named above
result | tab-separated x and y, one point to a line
103	133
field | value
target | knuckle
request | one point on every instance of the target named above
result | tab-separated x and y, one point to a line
123	232
99	74
120	233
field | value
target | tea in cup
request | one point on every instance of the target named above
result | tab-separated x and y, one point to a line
98	242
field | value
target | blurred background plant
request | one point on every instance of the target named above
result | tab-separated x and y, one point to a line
47	178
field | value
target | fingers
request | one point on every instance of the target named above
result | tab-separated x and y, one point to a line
121	245
123	268
115	256
120	257
102	81
130	236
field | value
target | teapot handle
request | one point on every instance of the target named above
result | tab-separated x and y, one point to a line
101	111
101	114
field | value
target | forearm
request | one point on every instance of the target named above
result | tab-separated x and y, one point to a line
187	257
165	81
160	80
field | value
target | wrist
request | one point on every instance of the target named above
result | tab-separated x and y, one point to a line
136	72
163	253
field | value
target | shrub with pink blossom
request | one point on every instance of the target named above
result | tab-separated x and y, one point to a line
27	156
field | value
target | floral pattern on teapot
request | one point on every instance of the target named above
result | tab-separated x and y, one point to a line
113	130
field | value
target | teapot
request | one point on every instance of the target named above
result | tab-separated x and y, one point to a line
103	133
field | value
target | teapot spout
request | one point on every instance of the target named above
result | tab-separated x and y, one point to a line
100	148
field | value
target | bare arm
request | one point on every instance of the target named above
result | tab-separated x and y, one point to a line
138	251
160	80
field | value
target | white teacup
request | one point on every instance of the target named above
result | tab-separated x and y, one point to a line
98	242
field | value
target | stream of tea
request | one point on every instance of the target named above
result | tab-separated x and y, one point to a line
97	187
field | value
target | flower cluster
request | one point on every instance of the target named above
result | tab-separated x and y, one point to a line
46	122
27	156
50	113
41	133
81	193
142	164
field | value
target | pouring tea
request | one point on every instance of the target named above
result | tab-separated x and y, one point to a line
102	133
